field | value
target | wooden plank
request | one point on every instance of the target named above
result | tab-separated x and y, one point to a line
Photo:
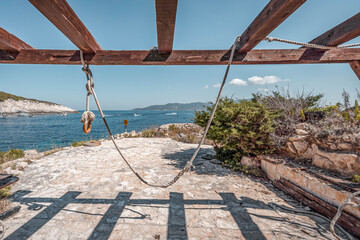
11	43
184	57
355	66
274	13
165	24
340	34
64	18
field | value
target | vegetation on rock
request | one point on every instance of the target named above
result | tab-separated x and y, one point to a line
10	155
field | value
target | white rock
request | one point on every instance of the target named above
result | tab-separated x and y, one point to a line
301	132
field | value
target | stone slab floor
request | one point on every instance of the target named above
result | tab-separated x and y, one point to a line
89	193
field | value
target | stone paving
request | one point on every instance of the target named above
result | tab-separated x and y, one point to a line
89	193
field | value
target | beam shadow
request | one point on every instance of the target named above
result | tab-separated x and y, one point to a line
176	204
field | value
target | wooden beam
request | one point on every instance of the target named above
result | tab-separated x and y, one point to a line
11	43
183	57
64	18
274	13
355	66
340	34
165	24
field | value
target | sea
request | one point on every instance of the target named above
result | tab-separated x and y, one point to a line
46	132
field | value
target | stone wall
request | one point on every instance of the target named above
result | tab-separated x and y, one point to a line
336	152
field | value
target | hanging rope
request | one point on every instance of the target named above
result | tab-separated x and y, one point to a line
88	116
90	88
309	45
340	209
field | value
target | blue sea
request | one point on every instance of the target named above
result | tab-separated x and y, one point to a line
45	132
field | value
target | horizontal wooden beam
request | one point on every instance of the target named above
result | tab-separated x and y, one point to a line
11	43
165	24
340	34
64	18
274	13
183	57
355	66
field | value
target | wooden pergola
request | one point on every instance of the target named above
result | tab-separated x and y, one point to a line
14	51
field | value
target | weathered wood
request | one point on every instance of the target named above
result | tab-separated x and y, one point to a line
347	221
355	66
64	18
165	24
340	34
11	43
183	57
274	13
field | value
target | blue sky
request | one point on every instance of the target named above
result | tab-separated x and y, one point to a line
201	24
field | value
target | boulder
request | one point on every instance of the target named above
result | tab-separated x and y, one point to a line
301	132
33	154
345	146
250	162
301	147
345	164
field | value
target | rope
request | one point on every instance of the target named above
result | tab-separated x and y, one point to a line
274	206
188	165
340	209
309	45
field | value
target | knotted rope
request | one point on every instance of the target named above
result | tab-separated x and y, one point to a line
188	165
88	116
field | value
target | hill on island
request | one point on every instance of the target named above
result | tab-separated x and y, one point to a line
12	104
176	107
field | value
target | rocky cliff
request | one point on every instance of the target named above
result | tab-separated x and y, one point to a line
12	105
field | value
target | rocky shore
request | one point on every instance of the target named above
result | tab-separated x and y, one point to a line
32	107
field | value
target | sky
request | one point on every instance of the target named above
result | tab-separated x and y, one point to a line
201	24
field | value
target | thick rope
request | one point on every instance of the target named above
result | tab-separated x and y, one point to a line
189	163
274	206
309	45
340	209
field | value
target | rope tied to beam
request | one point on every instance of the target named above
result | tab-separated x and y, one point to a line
188	165
309	45
87	117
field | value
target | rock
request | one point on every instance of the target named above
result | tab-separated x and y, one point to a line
301	132
132	133
92	144
250	162
290	148
345	146
21	165
343	163
215	161
303	126
298	138
182	135
309	153
300	147
33	154
208	156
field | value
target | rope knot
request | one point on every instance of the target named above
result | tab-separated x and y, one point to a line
87	117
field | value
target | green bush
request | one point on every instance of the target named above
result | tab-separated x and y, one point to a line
239	128
77	144
357	111
356	178
10	155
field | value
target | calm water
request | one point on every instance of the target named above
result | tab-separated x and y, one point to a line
44	132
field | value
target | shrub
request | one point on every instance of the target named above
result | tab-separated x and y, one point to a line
357	111
10	155
77	144
239	128
356	178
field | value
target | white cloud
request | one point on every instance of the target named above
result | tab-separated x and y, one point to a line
217	85
238	82
263	90
265	80
206	86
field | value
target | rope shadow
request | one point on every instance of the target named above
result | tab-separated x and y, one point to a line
200	166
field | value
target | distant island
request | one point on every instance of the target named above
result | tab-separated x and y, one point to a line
15	105
176	107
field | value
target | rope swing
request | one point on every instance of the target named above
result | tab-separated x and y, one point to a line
88	117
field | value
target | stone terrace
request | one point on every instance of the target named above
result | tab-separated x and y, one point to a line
89	193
